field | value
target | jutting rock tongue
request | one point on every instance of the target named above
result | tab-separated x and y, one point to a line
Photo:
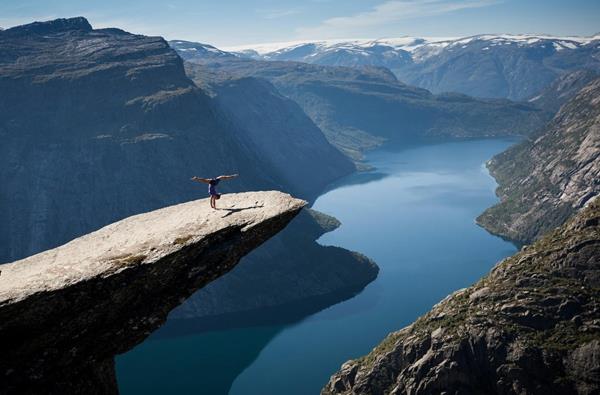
66	312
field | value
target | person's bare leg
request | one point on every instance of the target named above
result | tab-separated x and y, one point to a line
212	201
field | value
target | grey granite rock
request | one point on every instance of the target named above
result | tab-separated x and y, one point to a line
548	177
532	326
64	313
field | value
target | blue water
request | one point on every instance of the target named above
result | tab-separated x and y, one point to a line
414	215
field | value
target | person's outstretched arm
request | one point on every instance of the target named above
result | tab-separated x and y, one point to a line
227	177
199	179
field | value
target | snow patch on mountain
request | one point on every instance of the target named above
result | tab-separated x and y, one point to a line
420	48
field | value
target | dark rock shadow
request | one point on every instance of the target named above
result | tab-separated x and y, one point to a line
237	210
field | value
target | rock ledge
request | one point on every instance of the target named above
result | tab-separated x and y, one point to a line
64	313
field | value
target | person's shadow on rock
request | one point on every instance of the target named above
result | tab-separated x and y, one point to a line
238	209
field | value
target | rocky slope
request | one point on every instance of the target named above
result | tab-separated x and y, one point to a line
563	89
530	327
98	125
82	303
359	108
546	179
101	124
295	149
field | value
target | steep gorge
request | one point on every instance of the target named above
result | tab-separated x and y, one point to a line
358	109
101	124
529	327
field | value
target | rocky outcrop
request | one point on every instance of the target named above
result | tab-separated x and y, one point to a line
279	282
545	179
100	124
66	312
531	326
563	89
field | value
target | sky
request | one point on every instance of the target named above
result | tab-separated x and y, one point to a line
240	22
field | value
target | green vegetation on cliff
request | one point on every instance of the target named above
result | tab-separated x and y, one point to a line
530	326
547	178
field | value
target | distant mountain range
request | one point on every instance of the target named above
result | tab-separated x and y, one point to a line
517	67
420	48
359	107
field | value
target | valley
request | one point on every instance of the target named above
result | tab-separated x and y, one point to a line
451	188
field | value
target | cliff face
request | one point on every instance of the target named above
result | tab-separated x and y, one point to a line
360	108
563	89
295	148
101	124
529	327
273	276
98	125
544	180
66	312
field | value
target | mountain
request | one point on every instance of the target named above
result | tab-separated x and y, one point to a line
189	50
294	147
358	109
547	178
528	327
100	124
516	67
513	67
390	53
562	89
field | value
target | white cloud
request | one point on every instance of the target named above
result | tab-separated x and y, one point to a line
388	13
276	14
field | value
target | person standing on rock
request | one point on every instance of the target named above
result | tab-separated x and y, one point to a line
212	187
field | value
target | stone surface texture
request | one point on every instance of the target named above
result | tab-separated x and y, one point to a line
64	313
547	178
532	326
